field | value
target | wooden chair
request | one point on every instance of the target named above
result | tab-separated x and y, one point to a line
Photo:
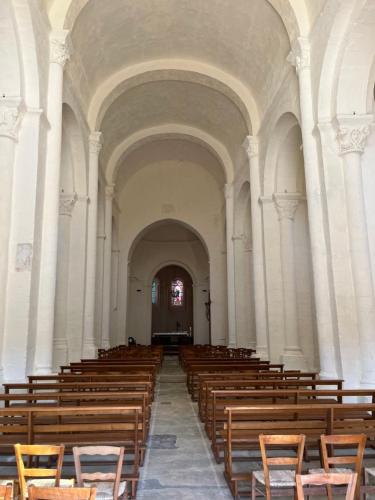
281	479
328	479
6	491
336	463
108	484
36	493
39	476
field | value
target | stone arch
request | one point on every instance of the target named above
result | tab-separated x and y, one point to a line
348	63
289	267
146	229
64	13
173	69
72	138
172	262
141	276
285	123
357	66
170	130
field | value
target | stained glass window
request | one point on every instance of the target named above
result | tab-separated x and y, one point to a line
155	290
177	292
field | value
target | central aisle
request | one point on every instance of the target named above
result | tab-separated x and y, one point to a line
178	464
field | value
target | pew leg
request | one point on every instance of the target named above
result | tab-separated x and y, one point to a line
253	481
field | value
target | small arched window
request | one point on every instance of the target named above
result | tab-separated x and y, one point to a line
155	291
177	292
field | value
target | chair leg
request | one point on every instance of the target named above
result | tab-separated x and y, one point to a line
253	484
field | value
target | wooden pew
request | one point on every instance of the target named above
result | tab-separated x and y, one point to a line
239	366
221	400
244	423
77	426
250	381
14	388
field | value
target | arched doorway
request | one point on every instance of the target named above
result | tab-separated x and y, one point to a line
172	307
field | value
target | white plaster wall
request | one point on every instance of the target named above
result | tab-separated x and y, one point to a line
150	256
183	191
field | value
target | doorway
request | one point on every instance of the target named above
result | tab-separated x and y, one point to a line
172	306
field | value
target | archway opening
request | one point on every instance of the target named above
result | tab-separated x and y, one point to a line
172	307
168	288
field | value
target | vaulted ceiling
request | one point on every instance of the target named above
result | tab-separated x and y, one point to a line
212	65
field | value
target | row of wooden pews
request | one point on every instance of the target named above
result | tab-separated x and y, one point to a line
100	401
241	397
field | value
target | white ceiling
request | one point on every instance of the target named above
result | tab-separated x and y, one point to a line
180	152
165	102
245	38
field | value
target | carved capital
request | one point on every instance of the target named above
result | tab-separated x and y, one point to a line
352	133
59	47
66	203
251	145
95	142
299	56
11	113
228	191
286	204
110	191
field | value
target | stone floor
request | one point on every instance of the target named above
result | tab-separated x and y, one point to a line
178	464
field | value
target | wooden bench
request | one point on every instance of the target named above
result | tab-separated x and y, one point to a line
92	377
122	386
77	426
240	366
244	424
251	382
216	416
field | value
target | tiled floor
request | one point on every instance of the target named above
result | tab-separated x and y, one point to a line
178	464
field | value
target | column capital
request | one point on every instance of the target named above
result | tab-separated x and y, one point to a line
60	48
228	191
299	56
110	191
95	142
286	204
251	146
352	132
66	203
11	112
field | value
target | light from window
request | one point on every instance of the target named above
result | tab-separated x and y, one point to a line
155	291
177	293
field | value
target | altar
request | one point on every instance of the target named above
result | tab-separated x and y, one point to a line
171	338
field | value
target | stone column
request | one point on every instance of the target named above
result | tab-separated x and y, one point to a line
300	58
60	344
89	344
229	212
10	118
106	319
251	145
59	54
352	136
286	205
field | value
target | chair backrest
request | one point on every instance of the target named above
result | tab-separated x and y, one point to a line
327	478
33	452
295	440
353	441
6	491
36	493
118	451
